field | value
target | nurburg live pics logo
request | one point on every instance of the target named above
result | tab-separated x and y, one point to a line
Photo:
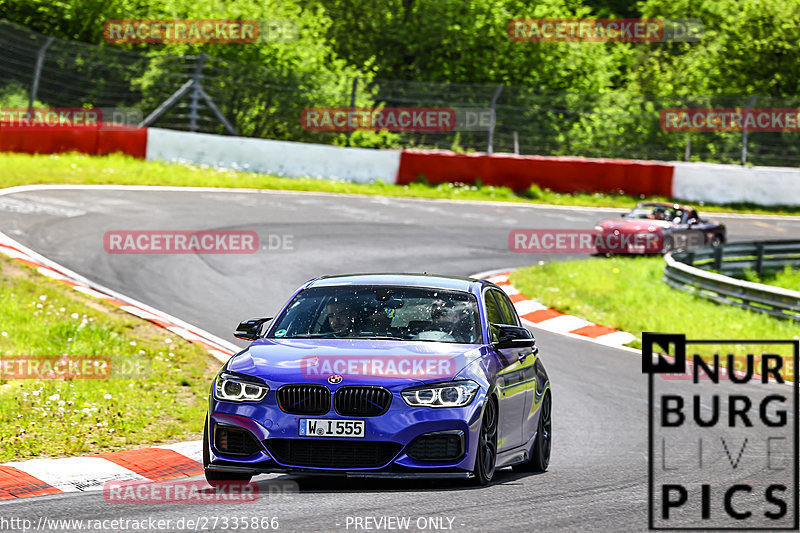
722	433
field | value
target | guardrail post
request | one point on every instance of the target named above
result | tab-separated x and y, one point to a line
690	258
759	259
718	258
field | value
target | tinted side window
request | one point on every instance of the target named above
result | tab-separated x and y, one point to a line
492	309
506	308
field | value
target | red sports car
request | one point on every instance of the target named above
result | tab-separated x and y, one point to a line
655	227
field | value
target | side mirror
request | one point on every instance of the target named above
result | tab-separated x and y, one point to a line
250	330
513	337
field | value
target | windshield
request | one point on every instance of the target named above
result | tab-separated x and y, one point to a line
656	212
381	312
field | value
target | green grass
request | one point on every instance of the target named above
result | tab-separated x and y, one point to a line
24	169
788	278
628	293
164	401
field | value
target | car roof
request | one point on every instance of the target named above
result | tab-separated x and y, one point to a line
406	280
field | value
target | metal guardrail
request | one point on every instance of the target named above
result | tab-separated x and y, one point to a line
690	271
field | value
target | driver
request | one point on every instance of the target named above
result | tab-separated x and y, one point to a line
341	318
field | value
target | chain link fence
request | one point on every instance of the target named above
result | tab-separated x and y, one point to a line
208	94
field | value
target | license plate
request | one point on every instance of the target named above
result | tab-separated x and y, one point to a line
327	427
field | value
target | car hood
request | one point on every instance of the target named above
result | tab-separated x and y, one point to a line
634	224
361	361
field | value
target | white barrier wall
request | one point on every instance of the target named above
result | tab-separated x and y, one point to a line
282	158
694	182
710	182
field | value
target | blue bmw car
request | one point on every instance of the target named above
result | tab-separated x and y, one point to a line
382	375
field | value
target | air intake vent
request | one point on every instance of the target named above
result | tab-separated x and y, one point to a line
443	446
332	453
234	441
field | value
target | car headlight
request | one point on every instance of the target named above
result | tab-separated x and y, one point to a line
232	389
450	394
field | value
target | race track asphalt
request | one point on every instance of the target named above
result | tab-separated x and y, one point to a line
597	480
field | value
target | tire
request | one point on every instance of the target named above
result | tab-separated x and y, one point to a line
213	477
487	445
540	458
716	241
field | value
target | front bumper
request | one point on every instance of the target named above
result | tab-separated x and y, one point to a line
385	474
390	434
